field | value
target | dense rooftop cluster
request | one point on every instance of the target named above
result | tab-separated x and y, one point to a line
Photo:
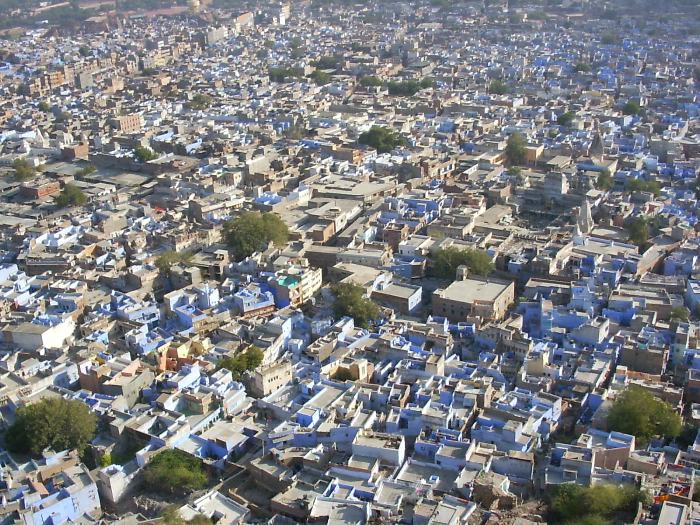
423	262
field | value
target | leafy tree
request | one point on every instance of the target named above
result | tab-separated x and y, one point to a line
638	229
382	139
370	82
252	232
106	460
582	67
350	301
87	170
515	18
174	471
537	15
282	74
242	362
514	171
427	82
328	62
200	101
63	116
589	519
70	196
23	170
515	149
650	186
85	51
144	154
680	313
572	503
498	87
446	261
609	38
320	77
167	260
640	413
54	423
565	119
342	374
404	89
631	108
605	180
44	106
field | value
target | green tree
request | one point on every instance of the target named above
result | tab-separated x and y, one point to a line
498	87
106	460
638	230
342	374
85	51
252	232
70	196
167	260
200	101
242	362
576	504
565	119
589	519
23	170
680	313
350	301
638	412
582	67
87	170
54	423
328	62
320	77
609	38
382	139
404	89
444	262
631	108
175	471
515	149
650	186
143	154
370	82
282	74
604	181
44	106
63	116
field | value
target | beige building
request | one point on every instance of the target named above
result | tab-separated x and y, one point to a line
297	284
128	123
268	379
486	298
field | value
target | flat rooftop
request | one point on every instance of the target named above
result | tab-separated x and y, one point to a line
471	290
